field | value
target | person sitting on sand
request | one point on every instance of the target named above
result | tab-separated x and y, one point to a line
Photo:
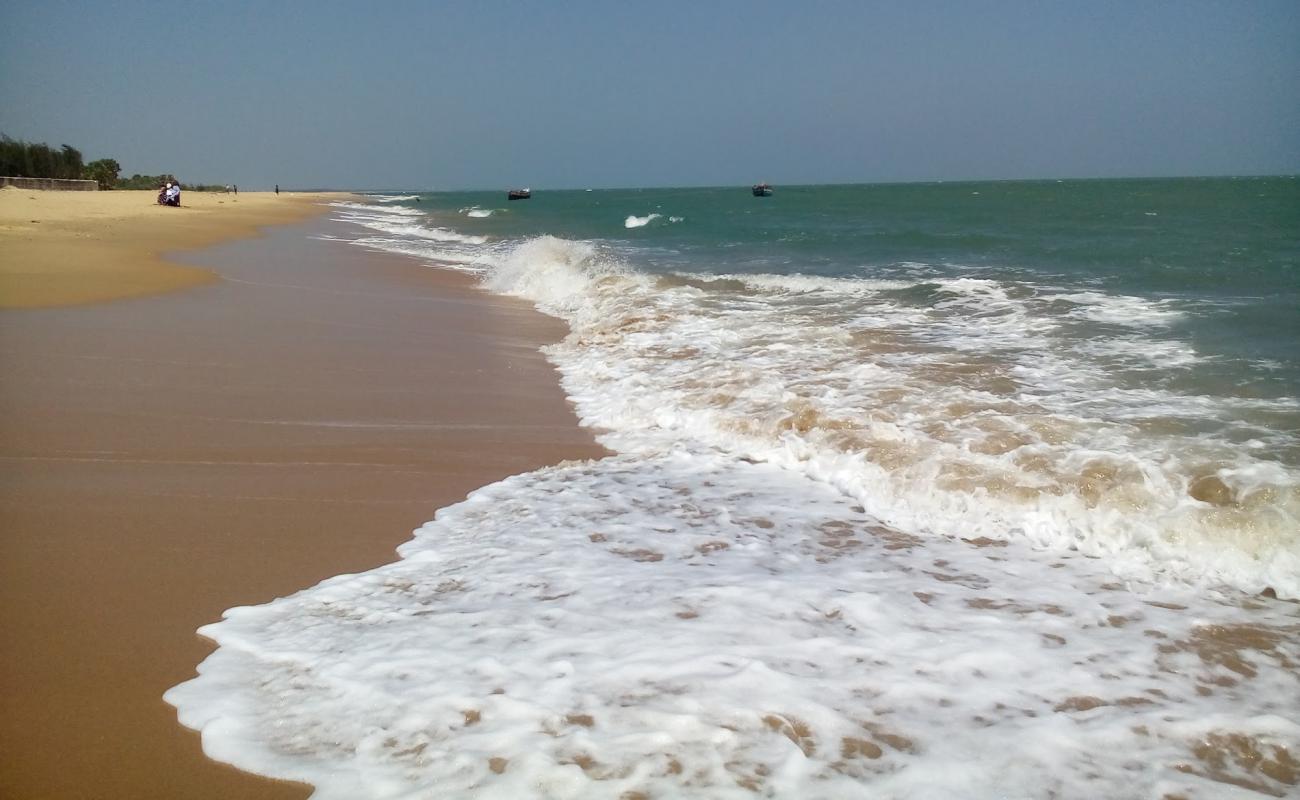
174	194
163	191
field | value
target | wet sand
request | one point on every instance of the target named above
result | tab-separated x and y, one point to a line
168	457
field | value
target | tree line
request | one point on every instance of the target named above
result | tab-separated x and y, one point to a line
20	159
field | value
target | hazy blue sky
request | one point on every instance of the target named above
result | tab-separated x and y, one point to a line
578	94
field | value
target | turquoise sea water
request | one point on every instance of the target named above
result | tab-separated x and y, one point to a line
1227	250
976	490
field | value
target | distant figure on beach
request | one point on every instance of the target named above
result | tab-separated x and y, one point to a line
163	188
277	188
173	194
236	190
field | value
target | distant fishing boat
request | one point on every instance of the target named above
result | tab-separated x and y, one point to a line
762	190
519	194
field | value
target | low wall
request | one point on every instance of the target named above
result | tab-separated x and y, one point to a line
50	183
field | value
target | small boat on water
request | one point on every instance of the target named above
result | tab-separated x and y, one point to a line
762	190
519	194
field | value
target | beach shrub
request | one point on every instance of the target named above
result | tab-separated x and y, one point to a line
138	181
104	172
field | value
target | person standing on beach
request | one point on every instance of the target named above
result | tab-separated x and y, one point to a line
277	188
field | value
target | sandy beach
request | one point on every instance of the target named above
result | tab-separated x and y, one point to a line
291	415
66	248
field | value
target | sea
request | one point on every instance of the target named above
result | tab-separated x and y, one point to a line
941	490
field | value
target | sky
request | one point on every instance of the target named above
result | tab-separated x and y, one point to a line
576	94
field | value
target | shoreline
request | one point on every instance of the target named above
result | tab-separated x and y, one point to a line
175	455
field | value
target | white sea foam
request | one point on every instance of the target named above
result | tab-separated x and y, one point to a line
404	227
811	283
1121	309
407	233
1140	352
478	213
689	626
369	210
557	273
640	222
391	198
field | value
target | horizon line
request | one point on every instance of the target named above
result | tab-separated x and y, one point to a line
1061	179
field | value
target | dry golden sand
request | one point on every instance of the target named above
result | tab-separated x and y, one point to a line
168	457
66	248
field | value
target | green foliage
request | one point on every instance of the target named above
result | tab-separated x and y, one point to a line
157	181
26	160
104	172
138	181
69	165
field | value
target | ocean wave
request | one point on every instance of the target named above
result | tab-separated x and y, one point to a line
943	405
640	222
559	274
377	211
964	411
400	222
